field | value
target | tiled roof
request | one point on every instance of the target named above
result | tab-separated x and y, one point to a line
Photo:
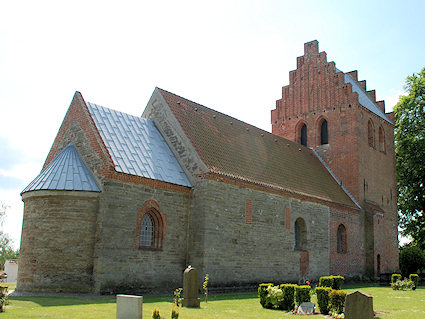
364	98
66	171
136	146
236	149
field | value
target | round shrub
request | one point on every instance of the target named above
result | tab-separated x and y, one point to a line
411	260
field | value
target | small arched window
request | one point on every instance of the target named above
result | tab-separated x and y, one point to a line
371	134
147	231
324	132
300	230
341	239
151	224
303	135
381	139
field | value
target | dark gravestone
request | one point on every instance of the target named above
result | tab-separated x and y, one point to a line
358	305
190	288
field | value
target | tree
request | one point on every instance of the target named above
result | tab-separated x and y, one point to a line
412	259
6	250
410	158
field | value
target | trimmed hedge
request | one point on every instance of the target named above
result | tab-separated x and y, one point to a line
415	279
262	294
334	282
288	296
395	277
323	299
302	294
337	300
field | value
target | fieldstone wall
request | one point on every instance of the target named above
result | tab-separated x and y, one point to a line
233	251
57	241
118	259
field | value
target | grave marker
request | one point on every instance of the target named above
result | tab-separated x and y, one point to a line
129	307
190	288
358	305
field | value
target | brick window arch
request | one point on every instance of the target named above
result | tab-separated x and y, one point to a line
381	139
341	239
300	234
371	134
151	223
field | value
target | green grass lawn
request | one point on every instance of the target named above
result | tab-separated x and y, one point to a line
395	304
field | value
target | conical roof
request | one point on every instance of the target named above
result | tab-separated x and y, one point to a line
66	171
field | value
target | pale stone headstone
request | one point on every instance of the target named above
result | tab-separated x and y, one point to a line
306	308
358	305
129	307
190	288
11	269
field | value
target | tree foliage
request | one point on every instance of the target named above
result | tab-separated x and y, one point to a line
410	158
6	250
412	259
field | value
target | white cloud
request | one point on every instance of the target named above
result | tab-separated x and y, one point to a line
392	99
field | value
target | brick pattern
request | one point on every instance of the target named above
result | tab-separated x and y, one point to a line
287	218
316	92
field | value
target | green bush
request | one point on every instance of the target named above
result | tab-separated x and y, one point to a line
262	294
415	279
404	284
395	277
411	260
302	294
338	281
326	281
4	301
288	296
323	299
155	314
274	296
334	282
337	300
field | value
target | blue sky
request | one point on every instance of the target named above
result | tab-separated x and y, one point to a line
233	56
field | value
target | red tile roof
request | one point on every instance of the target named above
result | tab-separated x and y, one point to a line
239	150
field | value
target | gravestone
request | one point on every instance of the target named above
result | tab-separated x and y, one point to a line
306	308
358	305
129	307
190	288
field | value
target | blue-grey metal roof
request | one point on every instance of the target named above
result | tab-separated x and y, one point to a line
136	146
66	171
364	98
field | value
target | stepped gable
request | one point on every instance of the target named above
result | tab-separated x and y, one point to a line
66	171
235	149
136	146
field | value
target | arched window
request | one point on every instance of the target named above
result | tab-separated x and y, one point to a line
324	132
147	231
151	224
371	134
341	239
300	229
303	135
381	139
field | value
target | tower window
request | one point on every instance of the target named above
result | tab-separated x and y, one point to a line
324	132
304	135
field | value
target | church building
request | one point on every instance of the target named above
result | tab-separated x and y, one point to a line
130	201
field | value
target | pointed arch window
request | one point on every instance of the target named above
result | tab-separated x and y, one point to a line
341	239
303	135
324	132
147	231
371	134
381	139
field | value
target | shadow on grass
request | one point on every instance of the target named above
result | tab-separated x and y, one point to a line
55	301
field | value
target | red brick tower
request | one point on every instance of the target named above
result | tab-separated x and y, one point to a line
332	113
